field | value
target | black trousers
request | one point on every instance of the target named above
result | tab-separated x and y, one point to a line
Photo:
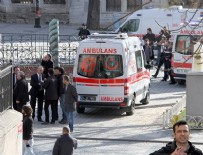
53	104
40	97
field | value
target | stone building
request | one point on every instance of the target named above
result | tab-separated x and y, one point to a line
68	11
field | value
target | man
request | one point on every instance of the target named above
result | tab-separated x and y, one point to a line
84	32
71	97
180	145
37	92
65	144
27	130
59	71
51	96
21	91
150	36
16	69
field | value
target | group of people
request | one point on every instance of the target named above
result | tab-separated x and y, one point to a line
47	84
164	48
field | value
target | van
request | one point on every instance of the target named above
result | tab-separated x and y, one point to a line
109	72
176	19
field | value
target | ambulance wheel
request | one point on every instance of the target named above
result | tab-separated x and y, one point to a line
146	99
131	109
80	110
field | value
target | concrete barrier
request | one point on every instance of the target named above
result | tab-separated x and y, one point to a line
10	133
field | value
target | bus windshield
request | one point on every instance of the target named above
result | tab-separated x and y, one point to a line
100	65
185	44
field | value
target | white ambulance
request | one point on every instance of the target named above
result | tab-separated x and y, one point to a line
109	72
176	19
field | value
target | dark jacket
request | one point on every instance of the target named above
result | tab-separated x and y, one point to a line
47	65
64	145
151	37
71	97
170	148
27	127
83	33
60	85
36	85
51	86
21	91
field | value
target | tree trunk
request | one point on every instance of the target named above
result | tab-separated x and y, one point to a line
93	16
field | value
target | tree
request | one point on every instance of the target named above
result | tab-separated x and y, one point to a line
186	3
93	16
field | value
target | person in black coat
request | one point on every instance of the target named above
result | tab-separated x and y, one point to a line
47	63
16	69
150	36
51	96
27	130
64	145
21	91
37	92
180	145
84	32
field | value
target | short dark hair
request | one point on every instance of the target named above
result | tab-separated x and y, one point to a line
65	77
179	123
28	110
51	71
66	129
149	29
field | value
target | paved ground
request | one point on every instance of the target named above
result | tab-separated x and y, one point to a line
107	131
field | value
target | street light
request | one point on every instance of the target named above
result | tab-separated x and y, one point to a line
37	15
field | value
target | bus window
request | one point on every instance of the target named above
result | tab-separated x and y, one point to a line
185	44
131	25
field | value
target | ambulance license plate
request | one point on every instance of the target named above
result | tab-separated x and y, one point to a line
87	98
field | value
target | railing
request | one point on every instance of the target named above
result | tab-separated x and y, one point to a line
6	96
30	48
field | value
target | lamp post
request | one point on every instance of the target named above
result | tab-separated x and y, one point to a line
37	15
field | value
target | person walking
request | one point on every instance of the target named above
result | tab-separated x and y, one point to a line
27	131
181	144
59	72
64	145
84	32
21	91
71	97
47	63
148	51
16	69
37	92
51	96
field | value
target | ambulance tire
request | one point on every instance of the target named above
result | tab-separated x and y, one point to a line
80	110
131	109
146	99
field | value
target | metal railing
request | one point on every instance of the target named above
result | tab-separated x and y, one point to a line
6	89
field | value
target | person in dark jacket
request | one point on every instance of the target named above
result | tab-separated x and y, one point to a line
59	72
37	92
27	130
47	63
71	97
148	51
21	91
180	145
51	96
150	36
84	32
64	145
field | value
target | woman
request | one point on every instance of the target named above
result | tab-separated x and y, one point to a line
47	63
27	130
21	91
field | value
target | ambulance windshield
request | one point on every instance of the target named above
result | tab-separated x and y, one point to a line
100	65
130	26
185	44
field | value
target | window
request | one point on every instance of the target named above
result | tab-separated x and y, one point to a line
54	1
185	44
22	1
139	61
113	5
131	26
132	4
100	66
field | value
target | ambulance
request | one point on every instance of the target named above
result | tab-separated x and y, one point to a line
109	72
176	19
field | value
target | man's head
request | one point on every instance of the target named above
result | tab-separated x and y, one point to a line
84	26
66	130
20	75
181	132
66	80
149	30
16	69
40	70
